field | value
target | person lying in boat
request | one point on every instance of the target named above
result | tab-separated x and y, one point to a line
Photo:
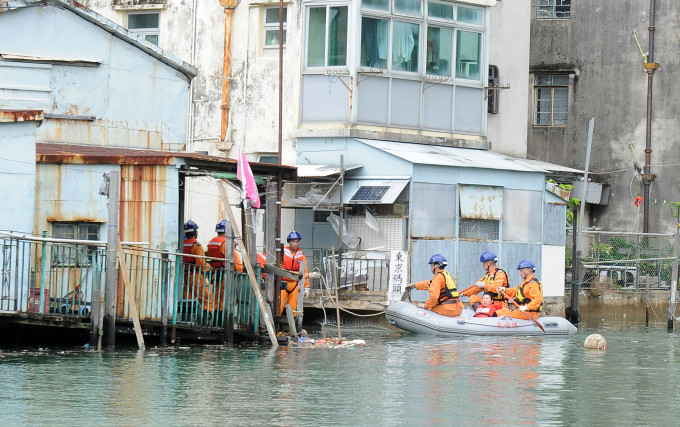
487	308
443	293
528	295
490	282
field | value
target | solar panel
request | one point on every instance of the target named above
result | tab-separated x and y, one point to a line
372	193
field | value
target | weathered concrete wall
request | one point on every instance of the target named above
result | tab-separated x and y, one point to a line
509	51
135	100
17	175
622	303
610	85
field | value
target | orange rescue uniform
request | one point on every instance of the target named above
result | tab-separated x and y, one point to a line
194	278
492	281
291	262
529	293
438	302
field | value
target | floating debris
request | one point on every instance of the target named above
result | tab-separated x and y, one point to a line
306	342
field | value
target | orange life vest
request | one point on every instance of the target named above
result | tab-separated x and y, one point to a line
188	244
215	251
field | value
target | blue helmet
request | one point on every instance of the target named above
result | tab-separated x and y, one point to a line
438	259
190	226
294	235
221	226
526	264
488	256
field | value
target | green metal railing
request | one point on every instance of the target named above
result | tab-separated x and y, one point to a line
215	299
50	278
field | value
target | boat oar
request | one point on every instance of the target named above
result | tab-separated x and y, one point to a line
406	296
467	289
526	314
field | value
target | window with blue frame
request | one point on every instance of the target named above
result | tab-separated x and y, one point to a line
419	65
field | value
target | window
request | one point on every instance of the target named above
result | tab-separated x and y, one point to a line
70	255
145	24
271	26
269	158
421	65
551	100
391	34
546	9
327	36
478	229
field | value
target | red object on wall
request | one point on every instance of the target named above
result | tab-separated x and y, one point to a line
637	201
34	300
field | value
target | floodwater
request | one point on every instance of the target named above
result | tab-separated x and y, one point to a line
395	379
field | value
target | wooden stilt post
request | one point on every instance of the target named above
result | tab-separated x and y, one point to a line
251	274
111	259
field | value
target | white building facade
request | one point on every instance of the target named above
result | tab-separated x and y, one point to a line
400	70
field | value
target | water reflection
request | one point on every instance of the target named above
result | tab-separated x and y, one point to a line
396	379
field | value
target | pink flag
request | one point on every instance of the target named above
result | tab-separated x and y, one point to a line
245	175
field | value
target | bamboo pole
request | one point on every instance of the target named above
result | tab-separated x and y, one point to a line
128	288
249	267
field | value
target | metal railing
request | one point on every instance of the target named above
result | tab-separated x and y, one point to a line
55	278
359	270
613	260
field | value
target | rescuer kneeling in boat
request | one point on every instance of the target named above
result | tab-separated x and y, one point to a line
528	294
443	293
492	280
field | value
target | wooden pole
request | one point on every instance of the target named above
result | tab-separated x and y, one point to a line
251	274
164	298
111	256
340	231
336	274
270	238
131	295
674	283
95	325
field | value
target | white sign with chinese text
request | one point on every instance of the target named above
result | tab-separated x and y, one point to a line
398	275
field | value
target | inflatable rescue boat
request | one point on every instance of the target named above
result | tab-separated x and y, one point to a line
410	317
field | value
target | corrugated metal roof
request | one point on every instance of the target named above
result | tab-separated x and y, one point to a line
552	167
451	156
319	171
92	155
134	39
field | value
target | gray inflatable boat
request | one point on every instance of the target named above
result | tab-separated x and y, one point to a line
411	318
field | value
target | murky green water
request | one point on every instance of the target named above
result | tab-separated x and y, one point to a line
396	379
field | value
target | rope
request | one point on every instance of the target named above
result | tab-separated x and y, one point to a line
330	297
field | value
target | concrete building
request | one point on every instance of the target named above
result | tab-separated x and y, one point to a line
585	63
424	200
98	88
332	85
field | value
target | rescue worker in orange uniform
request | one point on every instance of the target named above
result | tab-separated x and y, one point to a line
217	251
444	298
490	282
487	308
292	257
528	294
195	285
